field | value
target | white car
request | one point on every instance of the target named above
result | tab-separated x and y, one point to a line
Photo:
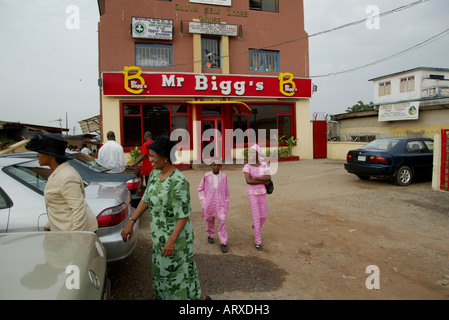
65	265
22	205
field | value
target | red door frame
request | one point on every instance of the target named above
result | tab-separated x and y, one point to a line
444	183
218	124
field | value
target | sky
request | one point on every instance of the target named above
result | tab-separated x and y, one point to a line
50	62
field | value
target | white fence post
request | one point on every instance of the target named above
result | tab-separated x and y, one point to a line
436	175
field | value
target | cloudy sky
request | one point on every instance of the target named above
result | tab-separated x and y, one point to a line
50	69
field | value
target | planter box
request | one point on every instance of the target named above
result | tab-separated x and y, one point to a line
282	159
291	158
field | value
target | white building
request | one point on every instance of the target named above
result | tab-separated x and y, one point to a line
414	84
413	102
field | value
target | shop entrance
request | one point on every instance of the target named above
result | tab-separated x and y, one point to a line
212	138
216	117
212	133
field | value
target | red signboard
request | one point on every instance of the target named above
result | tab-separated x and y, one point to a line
133	82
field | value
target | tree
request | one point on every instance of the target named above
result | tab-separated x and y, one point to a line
360	106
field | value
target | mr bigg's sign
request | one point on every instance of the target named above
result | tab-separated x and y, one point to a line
132	81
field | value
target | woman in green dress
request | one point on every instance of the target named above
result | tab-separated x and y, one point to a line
167	198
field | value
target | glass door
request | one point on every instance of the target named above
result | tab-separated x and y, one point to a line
212	138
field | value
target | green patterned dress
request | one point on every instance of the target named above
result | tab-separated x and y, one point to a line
176	276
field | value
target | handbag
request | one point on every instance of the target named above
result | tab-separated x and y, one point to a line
270	187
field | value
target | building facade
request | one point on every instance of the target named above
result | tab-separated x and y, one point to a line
413	102
182	67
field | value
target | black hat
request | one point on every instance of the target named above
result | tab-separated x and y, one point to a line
49	144
164	147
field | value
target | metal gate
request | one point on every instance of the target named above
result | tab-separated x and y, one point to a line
319	139
319	135
444	159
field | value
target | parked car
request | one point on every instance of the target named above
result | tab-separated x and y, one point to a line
400	159
22	204
52	265
91	171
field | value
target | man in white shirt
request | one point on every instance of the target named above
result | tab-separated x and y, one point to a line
85	150
111	154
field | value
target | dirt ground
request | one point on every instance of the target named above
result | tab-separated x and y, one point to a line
324	228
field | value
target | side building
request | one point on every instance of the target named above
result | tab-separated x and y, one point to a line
412	102
205	64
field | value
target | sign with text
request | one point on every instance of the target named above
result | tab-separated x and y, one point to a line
399	111
214	2
132	81
213	28
148	28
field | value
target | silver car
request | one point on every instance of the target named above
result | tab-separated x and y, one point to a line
52	265
22	205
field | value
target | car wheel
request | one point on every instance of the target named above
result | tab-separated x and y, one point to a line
403	176
363	177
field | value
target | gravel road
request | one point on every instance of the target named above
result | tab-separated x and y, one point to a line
324	228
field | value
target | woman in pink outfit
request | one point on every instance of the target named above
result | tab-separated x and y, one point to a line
257	176
214	196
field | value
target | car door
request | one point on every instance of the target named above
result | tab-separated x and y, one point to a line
419	158
5	210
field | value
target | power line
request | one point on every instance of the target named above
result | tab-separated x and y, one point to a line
317	33
407	6
419	45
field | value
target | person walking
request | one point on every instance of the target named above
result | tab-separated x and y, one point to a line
144	156
214	196
64	193
111	154
167	199
257	176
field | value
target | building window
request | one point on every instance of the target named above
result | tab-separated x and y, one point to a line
384	88
407	84
264	60
436	76
266	117
153	55
210	52
264	5
159	119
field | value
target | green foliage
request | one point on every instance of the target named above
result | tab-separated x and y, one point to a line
360	106
281	151
134	154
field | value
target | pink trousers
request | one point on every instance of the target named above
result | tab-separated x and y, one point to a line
222	232
259	210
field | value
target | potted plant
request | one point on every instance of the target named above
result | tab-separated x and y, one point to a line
284	152
134	154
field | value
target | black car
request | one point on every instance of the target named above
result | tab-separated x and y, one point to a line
400	159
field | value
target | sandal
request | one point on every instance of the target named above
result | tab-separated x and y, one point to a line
259	247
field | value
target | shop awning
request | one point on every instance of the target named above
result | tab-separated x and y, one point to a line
241	106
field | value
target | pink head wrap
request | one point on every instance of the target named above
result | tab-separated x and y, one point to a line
258	149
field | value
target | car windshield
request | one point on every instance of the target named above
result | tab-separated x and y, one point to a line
381	144
90	162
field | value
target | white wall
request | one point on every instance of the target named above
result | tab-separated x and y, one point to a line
422	81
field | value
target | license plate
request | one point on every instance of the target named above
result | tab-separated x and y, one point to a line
361	158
